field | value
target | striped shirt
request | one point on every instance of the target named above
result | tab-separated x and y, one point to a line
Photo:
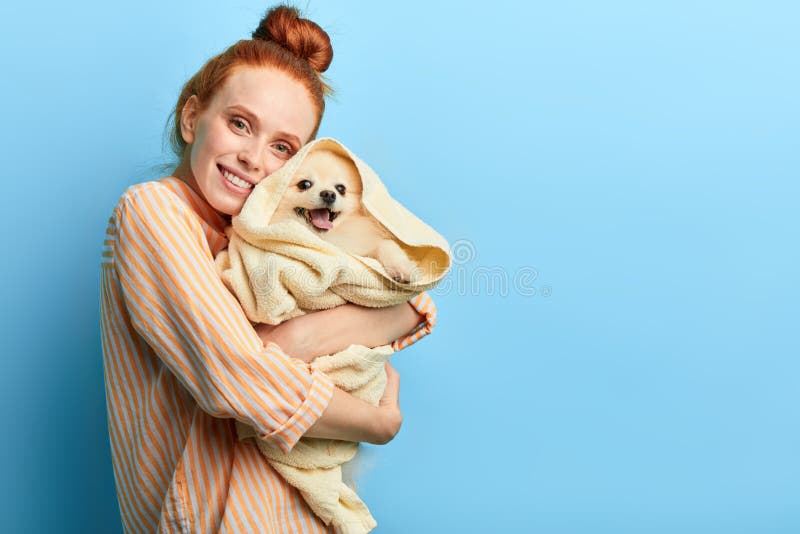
181	362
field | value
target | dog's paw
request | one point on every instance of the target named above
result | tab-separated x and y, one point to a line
397	264
404	273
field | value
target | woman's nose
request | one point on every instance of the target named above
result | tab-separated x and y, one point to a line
253	156
258	160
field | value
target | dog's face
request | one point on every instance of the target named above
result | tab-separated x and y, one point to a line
324	191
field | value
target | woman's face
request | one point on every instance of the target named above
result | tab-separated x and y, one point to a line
255	122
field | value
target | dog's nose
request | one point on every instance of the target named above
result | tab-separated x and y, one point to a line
328	197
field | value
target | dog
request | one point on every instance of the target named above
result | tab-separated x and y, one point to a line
325	195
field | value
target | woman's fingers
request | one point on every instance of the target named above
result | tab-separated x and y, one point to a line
390	405
391	395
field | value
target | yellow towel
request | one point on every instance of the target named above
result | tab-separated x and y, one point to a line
279	271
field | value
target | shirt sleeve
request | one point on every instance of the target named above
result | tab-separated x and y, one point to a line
424	305
181	308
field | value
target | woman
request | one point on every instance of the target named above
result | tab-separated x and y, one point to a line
181	360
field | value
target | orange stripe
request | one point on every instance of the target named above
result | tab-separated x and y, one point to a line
201	470
236	512
268	481
113	423
280	490
250	505
295	514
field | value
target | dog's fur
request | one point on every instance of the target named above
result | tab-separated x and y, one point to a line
330	182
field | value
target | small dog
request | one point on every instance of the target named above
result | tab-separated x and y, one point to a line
325	194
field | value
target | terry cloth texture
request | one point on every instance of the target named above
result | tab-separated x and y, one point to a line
283	270
277	271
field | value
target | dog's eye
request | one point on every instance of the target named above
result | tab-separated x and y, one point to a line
304	184
340	188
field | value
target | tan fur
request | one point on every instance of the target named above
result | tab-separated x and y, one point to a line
354	230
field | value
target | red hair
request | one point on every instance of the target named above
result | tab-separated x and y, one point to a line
283	40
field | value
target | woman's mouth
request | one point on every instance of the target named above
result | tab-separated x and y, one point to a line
233	179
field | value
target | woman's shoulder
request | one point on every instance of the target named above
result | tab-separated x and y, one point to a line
168	205
154	205
157	195
165	188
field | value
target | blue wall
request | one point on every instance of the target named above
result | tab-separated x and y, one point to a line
629	170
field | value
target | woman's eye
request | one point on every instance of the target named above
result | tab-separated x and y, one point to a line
340	189
239	124
286	149
304	184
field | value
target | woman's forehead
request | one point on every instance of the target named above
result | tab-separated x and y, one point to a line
276	100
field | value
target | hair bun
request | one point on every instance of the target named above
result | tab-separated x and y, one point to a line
302	37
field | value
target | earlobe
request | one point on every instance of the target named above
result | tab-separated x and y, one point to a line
189	119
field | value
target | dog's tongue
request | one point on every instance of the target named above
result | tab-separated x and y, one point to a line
319	218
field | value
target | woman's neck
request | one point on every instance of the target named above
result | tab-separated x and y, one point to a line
183	172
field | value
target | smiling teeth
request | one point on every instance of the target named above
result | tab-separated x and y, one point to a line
235	180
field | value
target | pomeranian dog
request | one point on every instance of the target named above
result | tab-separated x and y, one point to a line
325	194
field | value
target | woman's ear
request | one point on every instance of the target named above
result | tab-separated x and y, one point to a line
189	119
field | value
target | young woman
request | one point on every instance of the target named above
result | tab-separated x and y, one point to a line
181	359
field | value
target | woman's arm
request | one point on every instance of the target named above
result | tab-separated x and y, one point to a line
351	419
329	331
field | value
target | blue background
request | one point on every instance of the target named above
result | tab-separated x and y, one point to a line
629	169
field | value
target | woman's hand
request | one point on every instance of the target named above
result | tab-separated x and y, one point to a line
350	419
333	330
390	406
